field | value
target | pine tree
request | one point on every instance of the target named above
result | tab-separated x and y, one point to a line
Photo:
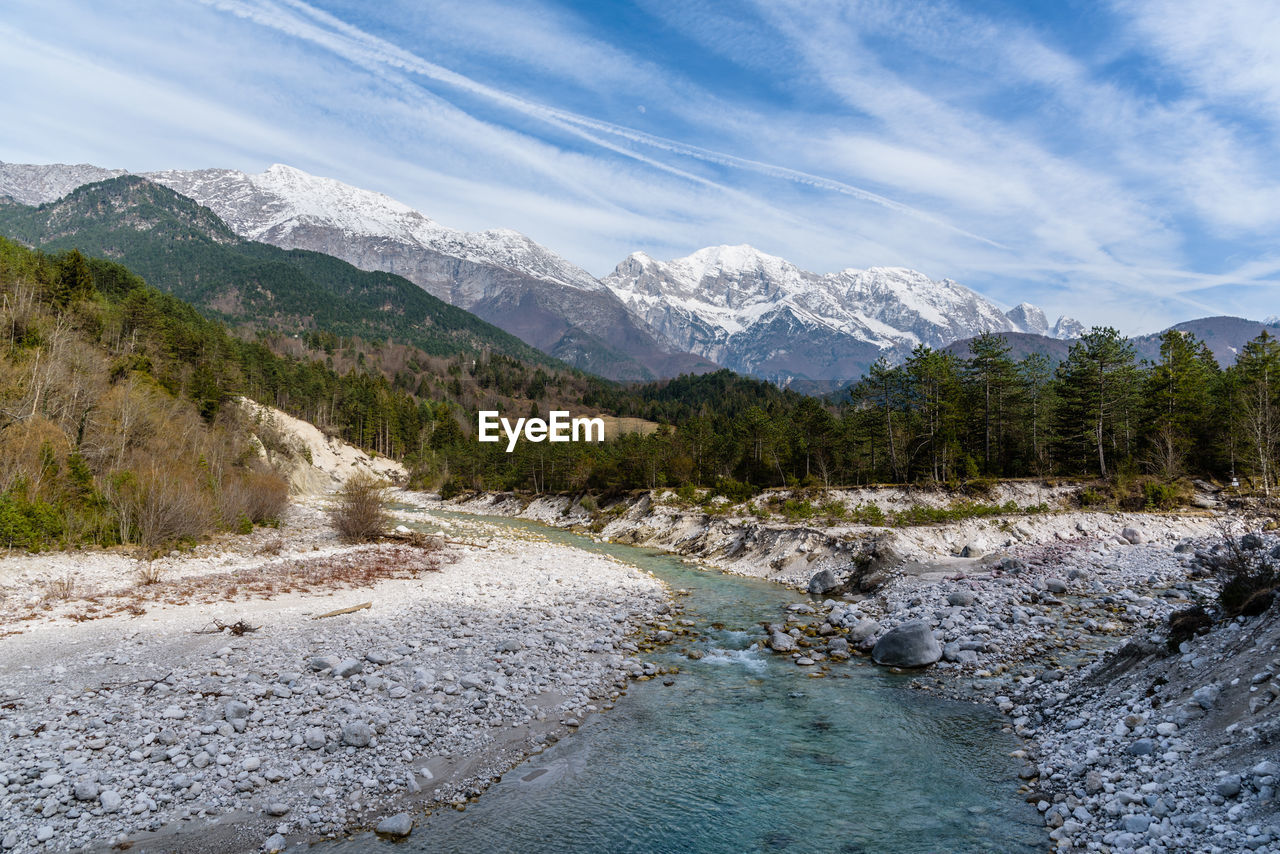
991	377
1097	385
1178	399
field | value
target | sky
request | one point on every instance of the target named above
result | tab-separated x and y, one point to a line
1118	161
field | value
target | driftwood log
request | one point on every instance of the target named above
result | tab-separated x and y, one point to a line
341	611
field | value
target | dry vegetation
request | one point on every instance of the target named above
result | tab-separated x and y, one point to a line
98	444
354	569
360	513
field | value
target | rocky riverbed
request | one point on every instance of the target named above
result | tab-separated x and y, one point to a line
151	726
1060	621
749	539
1129	746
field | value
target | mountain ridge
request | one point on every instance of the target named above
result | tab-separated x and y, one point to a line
186	249
761	314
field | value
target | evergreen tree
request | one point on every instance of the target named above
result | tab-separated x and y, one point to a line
1178	391
1097	389
992	379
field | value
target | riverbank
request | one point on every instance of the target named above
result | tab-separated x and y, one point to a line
131	718
1131	750
846	553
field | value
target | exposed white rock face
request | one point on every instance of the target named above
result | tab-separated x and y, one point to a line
1067	327
758	313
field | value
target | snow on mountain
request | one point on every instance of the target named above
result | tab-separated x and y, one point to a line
733	305
499	275
1067	327
272	206
35	184
1029	318
719	301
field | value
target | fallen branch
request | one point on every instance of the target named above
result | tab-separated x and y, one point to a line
238	628
465	543
341	611
429	542
150	683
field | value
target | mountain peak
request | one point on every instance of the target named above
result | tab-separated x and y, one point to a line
1028	318
761	314
1067	327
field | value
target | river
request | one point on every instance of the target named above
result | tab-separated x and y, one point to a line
746	752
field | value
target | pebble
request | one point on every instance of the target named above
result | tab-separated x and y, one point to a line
357	734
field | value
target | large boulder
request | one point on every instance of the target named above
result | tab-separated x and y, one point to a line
824	582
911	644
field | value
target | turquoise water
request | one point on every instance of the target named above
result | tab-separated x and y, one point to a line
745	753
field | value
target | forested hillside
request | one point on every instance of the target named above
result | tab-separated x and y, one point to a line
1144	425
186	250
113	427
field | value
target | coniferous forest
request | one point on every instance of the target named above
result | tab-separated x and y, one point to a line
1142	427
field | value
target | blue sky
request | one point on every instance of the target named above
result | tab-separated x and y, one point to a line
1118	162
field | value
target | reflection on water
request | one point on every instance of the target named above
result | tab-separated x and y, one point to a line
746	753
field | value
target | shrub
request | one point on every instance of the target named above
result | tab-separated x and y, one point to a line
27	524
168	507
1090	497
1249	575
360	514
795	508
833	510
869	514
452	487
150	572
1160	496
687	494
588	503
267	496
1186	624
736	491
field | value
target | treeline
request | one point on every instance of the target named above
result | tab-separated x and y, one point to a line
936	418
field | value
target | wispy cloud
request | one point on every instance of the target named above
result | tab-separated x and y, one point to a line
1129	179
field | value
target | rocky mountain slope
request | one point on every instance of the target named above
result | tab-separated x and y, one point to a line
499	275
762	315
187	250
728	306
35	184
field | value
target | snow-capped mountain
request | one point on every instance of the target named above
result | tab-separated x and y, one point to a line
500	275
1028	318
763	315
1067	327
732	306
283	205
